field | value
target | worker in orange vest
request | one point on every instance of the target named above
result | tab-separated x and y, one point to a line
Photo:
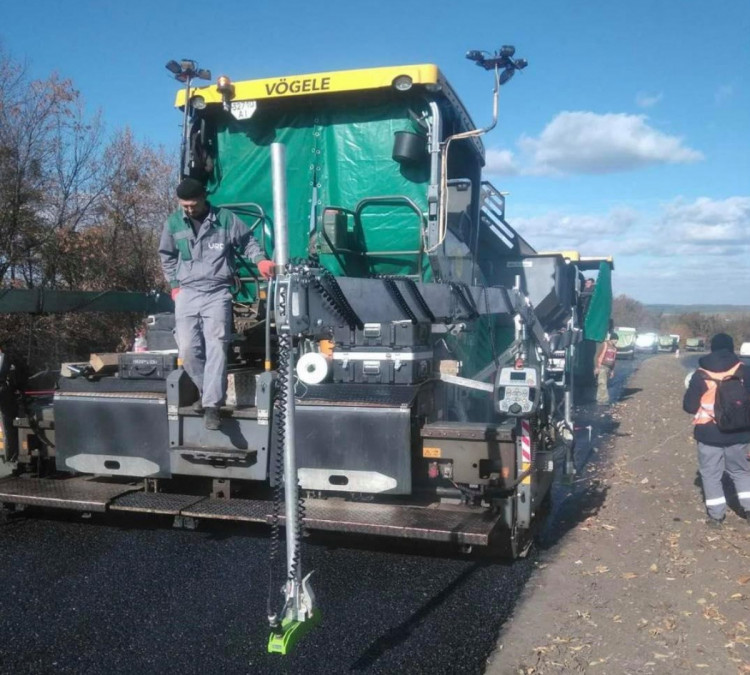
718	451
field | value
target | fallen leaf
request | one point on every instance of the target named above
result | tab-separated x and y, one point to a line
629	575
743	580
654	568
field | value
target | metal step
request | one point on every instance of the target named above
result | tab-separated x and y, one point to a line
77	494
154	502
226	412
464	526
248	510
434	524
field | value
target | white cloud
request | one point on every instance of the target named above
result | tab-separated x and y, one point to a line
558	231
500	163
689	251
586	142
646	100
708	221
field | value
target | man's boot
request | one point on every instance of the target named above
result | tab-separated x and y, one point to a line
211	419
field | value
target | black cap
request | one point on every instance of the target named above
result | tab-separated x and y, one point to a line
190	188
722	341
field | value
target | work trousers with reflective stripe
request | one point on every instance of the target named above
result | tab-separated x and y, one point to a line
712	462
203	323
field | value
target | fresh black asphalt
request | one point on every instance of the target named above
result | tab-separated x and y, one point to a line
99	596
108	594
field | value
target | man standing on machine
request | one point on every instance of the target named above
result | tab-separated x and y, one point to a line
197	249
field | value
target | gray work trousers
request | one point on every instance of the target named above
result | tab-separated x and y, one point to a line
712	462
203	323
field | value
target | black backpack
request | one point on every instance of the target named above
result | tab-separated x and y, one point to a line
731	404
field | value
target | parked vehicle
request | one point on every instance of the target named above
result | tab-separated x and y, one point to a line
695	344
668	343
647	342
745	349
626	342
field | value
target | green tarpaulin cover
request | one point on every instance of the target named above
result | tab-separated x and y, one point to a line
596	323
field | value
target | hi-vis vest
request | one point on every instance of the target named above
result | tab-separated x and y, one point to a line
182	231
705	413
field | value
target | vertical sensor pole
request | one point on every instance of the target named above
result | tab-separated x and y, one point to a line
281	258
280	214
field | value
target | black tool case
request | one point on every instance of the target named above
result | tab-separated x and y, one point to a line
390	334
376	365
147	365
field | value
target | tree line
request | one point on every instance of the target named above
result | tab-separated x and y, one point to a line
80	208
629	312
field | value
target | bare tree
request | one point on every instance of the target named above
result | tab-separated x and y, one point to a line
76	213
49	170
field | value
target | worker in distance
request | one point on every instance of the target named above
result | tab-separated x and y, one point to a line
197	249
604	368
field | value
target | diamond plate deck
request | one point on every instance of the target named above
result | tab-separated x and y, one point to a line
430	524
249	510
84	494
77	494
434	524
154	502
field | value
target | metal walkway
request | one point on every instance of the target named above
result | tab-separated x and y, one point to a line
449	524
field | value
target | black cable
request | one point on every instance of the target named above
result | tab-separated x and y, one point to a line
398	298
333	290
470	307
279	419
417	295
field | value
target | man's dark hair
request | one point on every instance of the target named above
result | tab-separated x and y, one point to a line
722	341
190	188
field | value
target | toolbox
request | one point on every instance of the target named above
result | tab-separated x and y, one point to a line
389	334
147	365
374	365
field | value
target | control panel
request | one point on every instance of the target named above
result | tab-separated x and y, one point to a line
517	391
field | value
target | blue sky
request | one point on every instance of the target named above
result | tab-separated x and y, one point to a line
628	134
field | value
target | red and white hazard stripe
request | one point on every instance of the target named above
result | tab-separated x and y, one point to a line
525	441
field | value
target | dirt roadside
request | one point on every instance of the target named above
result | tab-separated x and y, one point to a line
639	584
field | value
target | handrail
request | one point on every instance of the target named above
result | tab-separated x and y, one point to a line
244	208
357	215
394	199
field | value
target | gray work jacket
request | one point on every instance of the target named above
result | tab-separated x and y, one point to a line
205	261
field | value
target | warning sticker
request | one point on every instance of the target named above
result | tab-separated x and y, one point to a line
432	453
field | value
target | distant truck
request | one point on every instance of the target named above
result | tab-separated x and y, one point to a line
647	342
695	344
626	342
668	343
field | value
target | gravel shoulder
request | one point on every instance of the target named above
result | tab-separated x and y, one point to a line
638	584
